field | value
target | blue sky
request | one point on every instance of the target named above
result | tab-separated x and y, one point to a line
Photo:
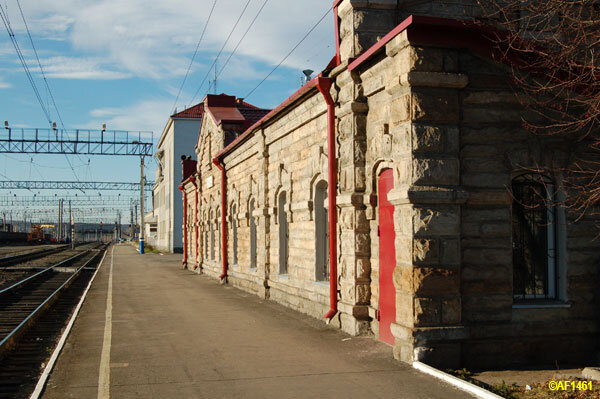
122	62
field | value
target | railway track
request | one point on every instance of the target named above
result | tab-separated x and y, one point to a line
24	257
33	312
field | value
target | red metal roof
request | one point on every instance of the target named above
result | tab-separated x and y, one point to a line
228	109
252	113
197	111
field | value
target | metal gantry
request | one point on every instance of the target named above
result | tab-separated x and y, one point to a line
75	141
72	185
46	200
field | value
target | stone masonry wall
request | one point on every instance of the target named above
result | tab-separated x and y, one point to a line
449	126
289	154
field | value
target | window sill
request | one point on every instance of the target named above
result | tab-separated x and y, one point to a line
321	283
541	305
252	270
283	276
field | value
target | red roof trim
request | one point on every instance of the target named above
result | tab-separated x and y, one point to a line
481	39
381	43
303	90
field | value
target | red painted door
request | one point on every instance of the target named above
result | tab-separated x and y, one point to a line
387	258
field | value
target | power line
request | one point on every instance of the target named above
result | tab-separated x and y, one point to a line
243	37
46	82
194	56
4	17
220	51
40	64
290	53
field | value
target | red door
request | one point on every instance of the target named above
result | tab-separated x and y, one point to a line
387	258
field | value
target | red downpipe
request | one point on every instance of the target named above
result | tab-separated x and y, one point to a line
184	262
324	86
193	181
219	164
336	26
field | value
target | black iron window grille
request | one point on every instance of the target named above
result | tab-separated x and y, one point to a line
533	238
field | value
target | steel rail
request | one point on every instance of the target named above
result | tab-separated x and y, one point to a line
18	284
4	343
9	260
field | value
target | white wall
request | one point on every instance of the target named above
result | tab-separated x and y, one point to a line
179	140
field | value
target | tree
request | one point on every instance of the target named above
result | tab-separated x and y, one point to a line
554	49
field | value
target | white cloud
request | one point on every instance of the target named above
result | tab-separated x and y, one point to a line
155	38
80	68
147	115
4	85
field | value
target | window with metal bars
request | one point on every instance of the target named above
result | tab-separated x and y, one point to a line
533	238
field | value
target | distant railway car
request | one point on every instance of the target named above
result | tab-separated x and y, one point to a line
36	234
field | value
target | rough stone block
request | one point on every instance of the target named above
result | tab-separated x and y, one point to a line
425	251
431	172
440	106
436	221
434	79
450	251
403	279
400	109
427	138
451	310
486	180
434	281
440	355
486	256
427	311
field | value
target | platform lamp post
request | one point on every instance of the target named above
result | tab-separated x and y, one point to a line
141	205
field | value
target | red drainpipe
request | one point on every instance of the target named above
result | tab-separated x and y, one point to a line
336	23
220	165
324	86
184	262
193	181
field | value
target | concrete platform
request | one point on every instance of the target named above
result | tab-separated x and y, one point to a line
175	334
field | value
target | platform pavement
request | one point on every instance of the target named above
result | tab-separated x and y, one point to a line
176	334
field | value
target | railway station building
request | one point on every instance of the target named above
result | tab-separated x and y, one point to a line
178	136
392	193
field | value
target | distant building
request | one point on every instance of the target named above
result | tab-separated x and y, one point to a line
177	139
151	228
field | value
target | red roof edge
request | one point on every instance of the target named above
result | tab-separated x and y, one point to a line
473	35
300	92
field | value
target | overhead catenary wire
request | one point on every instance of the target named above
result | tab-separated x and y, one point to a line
40	64
11	35
46	83
242	38
290	53
220	51
194	56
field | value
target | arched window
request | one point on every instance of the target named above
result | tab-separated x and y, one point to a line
218	233
321	232
206	241
252	235
212	237
234	233
533	238
283	233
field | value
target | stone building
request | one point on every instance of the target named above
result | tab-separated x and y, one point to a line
435	239
178	136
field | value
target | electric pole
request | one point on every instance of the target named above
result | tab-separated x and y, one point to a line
71	222
142	206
